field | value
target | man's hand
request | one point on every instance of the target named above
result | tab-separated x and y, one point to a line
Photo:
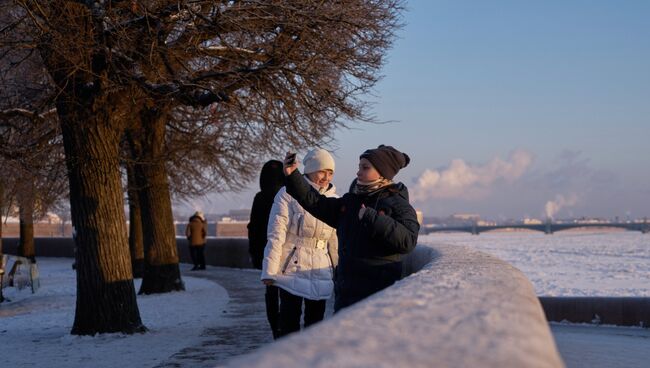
290	163
268	282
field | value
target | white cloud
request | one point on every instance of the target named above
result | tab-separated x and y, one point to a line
553	207
465	181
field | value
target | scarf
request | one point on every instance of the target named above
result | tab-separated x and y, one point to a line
368	188
318	188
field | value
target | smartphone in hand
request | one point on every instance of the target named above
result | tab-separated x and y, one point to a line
291	159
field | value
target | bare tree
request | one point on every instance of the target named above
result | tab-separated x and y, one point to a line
278	73
146	139
30	144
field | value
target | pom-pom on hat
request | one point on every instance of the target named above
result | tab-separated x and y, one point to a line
387	160
318	159
200	215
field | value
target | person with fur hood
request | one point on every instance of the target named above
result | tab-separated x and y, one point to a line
374	221
302	252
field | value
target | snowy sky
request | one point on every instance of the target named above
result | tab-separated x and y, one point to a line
508	108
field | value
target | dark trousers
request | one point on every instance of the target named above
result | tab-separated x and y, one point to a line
198	258
272	299
356	283
291	310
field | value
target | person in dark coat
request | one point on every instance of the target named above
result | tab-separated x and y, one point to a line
374	222
271	180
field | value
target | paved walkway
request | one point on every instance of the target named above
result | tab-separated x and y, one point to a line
244	327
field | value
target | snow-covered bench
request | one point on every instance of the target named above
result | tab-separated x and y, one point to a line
463	308
23	273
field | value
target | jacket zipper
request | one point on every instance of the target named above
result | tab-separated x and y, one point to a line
286	263
299	229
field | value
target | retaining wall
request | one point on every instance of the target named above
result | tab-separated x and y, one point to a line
225	252
463	308
620	311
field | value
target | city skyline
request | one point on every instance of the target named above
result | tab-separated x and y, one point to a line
510	110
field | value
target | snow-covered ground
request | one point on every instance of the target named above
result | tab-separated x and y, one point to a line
569	263
34	328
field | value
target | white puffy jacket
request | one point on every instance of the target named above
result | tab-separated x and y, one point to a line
301	251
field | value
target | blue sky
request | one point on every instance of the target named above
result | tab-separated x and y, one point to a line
514	108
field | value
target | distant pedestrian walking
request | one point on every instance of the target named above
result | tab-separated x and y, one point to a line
301	251
374	221
196	234
271	180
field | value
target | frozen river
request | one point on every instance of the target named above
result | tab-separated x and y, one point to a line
569	263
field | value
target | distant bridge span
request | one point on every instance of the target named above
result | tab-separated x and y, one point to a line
547	228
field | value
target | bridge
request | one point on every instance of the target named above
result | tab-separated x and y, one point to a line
547	228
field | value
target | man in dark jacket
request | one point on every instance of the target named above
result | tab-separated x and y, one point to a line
375	223
271	180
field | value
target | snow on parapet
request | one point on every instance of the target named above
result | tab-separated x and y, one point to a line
464	308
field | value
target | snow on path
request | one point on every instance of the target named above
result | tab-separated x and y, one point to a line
35	329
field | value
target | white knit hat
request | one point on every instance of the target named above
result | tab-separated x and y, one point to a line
200	215
318	159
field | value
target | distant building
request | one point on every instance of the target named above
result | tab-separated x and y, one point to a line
585	220
230	228
486	223
240	215
532	221
466	216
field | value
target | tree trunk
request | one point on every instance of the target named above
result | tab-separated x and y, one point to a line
106	300
136	244
161	271
26	216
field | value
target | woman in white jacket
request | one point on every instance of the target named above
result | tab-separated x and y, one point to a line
301	252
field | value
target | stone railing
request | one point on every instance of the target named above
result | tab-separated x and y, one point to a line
226	252
463	308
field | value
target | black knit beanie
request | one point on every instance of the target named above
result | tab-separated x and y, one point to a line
272	176
387	160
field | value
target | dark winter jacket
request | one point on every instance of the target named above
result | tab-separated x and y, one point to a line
370	249
271	180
